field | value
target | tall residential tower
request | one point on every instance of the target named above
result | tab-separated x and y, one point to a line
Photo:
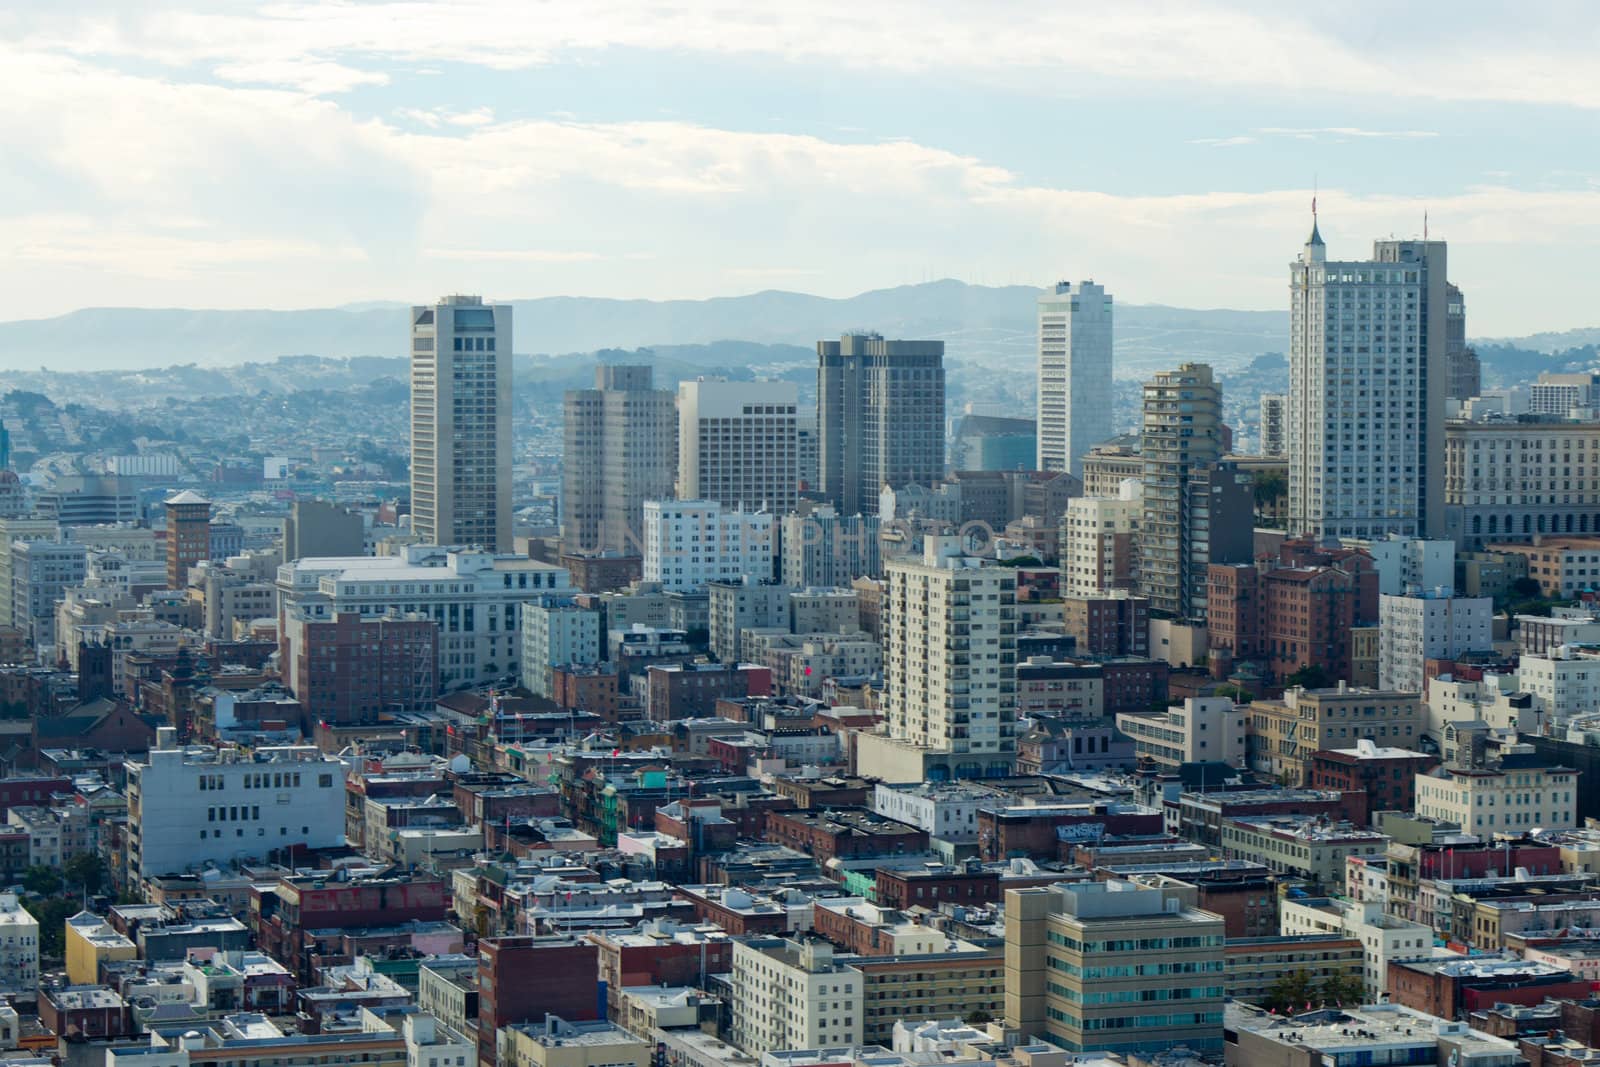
1368	378
880	417
1074	374
461	423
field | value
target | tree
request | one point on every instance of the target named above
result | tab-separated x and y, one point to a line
1290	993
1270	487
1526	588
1239	693
52	914
977	1017
41	880
1342	989
1311	676
88	871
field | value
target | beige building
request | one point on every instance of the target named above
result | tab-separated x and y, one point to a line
792	994
461	423
737	444
950	669
91	941
1202	729
1074	384
1512	479
1098	541
1383	938
1110	463
558	1043
944	985
1113	965
1284	733
1515	796
1299	846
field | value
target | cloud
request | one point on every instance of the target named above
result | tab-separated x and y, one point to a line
308	76
1540	58
144	189
1223	142
1316	132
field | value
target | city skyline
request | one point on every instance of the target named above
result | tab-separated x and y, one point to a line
433	156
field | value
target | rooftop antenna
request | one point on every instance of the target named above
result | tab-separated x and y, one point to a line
1424	224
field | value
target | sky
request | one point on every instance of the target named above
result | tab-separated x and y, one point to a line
295	154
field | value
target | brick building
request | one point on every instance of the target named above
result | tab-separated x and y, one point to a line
1108	625
523	979
1290	617
351	669
848	833
691	690
1387	775
1454	988
591	689
1037	831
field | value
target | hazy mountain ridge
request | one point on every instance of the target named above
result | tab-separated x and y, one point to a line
976	322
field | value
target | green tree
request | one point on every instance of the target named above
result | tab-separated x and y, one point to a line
1342	989
52	913
1311	676
41	880
1239	693
87	871
977	1017
1291	992
1270	487
1525	588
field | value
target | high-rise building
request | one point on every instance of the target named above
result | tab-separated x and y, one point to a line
950	672
1181	436
737	444
1562	394
1466	371
1274	441
188	535
880	417
621	450
1075	398
41	573
993	443
461	423
1368	378
1113	966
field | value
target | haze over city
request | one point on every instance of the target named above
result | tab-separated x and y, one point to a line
286	155
893	534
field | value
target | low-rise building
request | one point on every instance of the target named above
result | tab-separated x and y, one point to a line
1306	847
1202	730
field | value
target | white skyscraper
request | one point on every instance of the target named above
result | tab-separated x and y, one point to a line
461	423
1367	389
1074	374
737	444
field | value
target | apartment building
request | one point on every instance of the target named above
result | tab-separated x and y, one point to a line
1284	733
737	444
1434	624
791	994
691	543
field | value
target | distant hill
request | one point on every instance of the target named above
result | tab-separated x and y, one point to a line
987	325
979	323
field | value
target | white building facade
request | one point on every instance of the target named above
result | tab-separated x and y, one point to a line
793	995
1433	625
738	444
690	543
1367	389
475	597
950	672
1074	387
1097	540
193	806
555	633
19	947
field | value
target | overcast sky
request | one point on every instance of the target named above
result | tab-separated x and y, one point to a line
229	154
